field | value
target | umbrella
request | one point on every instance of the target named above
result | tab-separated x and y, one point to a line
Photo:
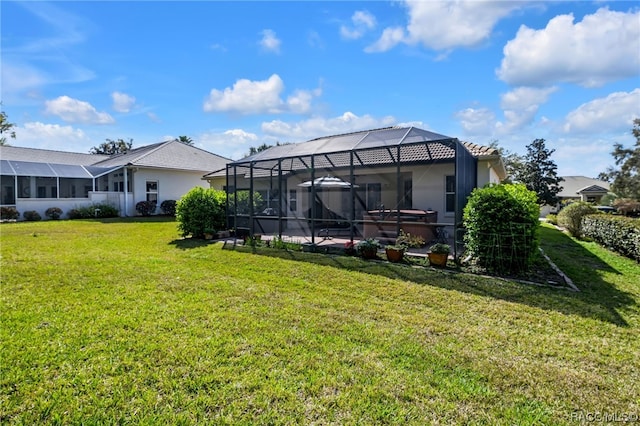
327	182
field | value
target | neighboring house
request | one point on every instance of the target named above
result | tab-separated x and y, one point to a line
36	179
578	188
421	174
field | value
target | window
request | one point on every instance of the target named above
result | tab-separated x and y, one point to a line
374	198
407	200
293	200
450	194
152	191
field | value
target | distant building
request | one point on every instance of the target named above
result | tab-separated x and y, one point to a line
579	188
36	179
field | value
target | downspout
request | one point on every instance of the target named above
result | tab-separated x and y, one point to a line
352	204
280	198
313	200
126	187
251	213
399	193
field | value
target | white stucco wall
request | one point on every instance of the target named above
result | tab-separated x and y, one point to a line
172	184
486	174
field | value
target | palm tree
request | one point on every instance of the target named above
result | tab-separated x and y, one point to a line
185	140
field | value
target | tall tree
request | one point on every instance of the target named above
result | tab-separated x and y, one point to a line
185	140
111	147
513	162
6	128
539	173
254	150
625	180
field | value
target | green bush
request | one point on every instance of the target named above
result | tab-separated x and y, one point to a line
552	219
168	207
571	216
9	213
201	210
93	211
146	208
502	225
242	198
53	213
618	233
32	216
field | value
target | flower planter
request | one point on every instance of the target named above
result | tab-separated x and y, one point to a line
394	255
438	259
369	253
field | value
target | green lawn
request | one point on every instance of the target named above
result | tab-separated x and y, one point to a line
120	321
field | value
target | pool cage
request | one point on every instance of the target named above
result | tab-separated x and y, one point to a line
369	184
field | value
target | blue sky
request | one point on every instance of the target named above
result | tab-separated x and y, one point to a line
231	75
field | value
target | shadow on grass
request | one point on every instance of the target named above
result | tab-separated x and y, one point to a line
135	219
191	243
597	299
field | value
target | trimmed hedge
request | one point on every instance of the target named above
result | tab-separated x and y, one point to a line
571	216
146	208
9	213
32	216
93	211
168	207
502	225
201	211
618	233
53	213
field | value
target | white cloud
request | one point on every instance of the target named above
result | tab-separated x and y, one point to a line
233	143
363	21
122	102
615	112
270	42
389	38
154	117
477	121
50	136
313	127
75	111
602	47
258	97
228	137
520	107
444	25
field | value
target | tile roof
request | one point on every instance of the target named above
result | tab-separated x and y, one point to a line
165	155
35	155
168	155
370	148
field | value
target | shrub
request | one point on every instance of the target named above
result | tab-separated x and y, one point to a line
32	216
93	211
571	217
146	208
53	213
168	207
502	227
621	234
9	213
414	241
552	219
627	206
201	209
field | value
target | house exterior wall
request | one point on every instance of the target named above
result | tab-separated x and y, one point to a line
172	184
486	174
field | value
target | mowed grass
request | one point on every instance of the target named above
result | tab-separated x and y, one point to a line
120	321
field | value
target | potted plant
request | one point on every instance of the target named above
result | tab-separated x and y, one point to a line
209	233
395	252
438	254
368	248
